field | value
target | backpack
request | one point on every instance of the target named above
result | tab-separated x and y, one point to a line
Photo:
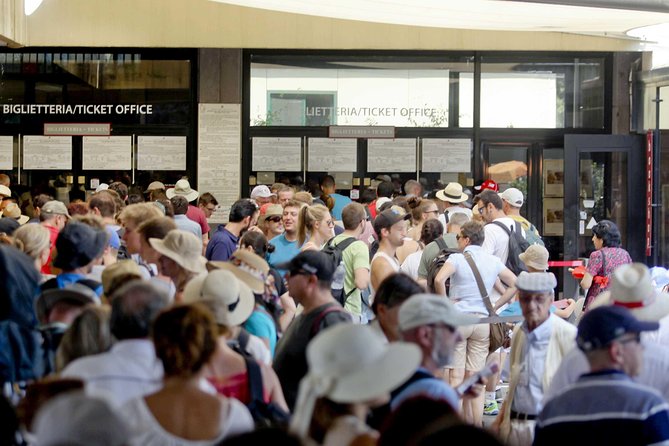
240	345
264	414
532	236
437	263
517	246
335	253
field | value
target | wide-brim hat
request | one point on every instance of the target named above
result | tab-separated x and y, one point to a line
5	191
632	287
246	266
155	185
536	256
182	187
269	210
354	365
427	309
230	299
12	210
452	193
75	293
183	247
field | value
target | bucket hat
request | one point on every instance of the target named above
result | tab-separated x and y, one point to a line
536	256
183	247
232	301
75	293
12	210
5	191
246	266
452	193
632	287
183	188
348	363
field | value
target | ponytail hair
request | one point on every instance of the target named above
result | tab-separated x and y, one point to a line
306	218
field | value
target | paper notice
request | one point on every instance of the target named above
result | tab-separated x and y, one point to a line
6	152
446	155
47	152
161	153
391	155
276	154
107	153
332	155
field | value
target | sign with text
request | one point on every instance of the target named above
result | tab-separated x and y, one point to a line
78	129
360	131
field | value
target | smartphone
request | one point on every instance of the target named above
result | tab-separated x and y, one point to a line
485	372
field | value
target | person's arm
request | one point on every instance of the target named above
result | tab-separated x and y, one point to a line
289	310
508	277
586	281
361	278
380	270
444	273
273	386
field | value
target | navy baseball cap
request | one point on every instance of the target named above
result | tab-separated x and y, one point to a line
310	262
603	325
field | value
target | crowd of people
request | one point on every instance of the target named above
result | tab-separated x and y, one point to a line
309	318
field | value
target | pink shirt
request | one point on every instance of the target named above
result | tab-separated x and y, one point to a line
197	215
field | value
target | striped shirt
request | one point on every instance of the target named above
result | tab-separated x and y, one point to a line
607	407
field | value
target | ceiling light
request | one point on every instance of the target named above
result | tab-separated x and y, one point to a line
30	6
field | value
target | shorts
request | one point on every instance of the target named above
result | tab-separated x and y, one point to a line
471	353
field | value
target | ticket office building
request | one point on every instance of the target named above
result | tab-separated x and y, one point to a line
554	124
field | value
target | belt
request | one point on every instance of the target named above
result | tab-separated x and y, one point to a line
522	416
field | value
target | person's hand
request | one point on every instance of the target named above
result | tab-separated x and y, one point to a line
255	229
475	390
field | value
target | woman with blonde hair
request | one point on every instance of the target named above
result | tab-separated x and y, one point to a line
422	210
89	334
315	224
33	240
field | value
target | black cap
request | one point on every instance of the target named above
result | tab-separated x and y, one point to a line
602	325
311	262
77	245
389	217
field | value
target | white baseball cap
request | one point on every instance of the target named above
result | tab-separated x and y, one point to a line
261	191
513	196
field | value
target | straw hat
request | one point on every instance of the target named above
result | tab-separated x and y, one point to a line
348	363
536	256
12	210
123	269
183	247
5	191
269	210
632	287
452	193
232	300
155	185
183	188
247	266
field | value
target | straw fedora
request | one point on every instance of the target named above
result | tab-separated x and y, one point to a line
632	287
5	191
183	247
536	256
452	193
232	300
248	267
183	188
348	363
14	211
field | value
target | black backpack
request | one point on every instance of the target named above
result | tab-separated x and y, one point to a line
264	414
517	246
437	263
335	253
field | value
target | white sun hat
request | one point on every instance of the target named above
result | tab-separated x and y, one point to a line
349	363
452	193
182	187
248	267
184	248
230	299
632	287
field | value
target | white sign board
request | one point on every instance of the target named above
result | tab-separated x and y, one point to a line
107	153
332	155
391	155
6	152
276	154
219	155
446	155
161	153
47	152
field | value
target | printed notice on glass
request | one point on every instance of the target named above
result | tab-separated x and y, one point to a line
6	152
446	155
47	152
391	155
277	154
219	155
161	153
107	153
332	155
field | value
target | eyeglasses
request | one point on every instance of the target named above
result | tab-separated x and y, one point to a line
274	219
460	236
434	211
636	337
212	209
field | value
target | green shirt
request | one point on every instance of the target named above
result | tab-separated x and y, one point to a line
431	251
354	257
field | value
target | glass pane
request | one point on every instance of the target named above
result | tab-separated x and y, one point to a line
553	93
603	192
508	168
553	199
310	91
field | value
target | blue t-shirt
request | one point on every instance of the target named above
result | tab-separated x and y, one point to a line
284	252
222	244
262	325
340	201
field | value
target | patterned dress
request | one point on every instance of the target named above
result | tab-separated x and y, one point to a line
602	263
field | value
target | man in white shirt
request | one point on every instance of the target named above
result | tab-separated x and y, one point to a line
131	368
490	206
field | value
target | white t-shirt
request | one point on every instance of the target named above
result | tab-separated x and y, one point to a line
496	240
464	291
411	263
147	431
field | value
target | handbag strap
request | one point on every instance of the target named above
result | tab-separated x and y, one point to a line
479	282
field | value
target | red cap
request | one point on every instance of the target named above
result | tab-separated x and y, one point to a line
488	184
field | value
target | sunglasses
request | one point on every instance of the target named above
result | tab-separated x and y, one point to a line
481	210
274	219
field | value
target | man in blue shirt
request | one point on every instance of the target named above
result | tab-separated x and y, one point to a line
285	245
340	201
243	215
606	404
431	321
